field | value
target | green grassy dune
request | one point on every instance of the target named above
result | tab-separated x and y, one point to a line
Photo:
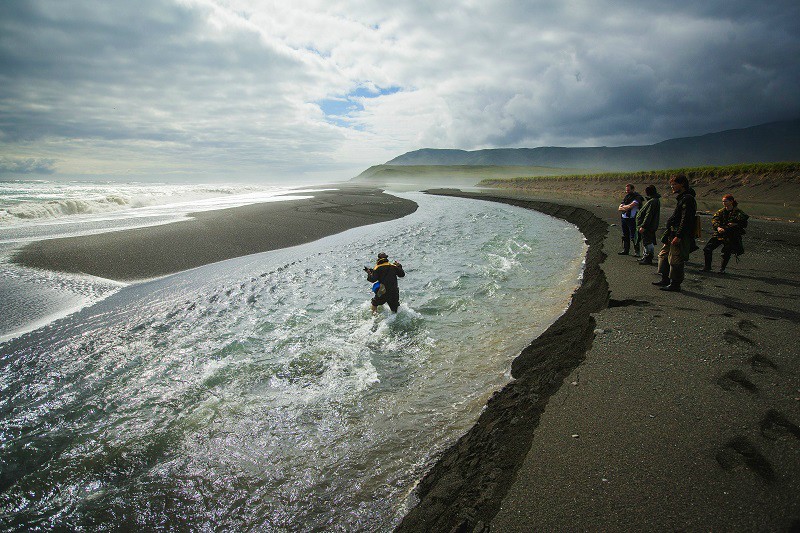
788	172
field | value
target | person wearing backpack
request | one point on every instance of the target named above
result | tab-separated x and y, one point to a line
729	225
385	275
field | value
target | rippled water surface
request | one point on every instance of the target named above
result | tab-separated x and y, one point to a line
260	393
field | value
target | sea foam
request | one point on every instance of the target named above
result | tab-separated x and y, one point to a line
32	201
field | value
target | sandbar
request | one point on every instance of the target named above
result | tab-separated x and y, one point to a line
212	236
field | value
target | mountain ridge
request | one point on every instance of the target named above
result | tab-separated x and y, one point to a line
770	142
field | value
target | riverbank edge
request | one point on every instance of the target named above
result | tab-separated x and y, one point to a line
464	489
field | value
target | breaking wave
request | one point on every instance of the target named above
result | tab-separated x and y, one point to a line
22	202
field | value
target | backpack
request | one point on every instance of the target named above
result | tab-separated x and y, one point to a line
378	289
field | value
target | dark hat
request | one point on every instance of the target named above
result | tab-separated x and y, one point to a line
383	256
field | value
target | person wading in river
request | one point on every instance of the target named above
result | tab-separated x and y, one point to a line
386	273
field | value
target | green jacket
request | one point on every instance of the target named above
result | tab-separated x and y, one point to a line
649	215
734	222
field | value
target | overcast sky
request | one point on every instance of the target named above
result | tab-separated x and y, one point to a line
322	89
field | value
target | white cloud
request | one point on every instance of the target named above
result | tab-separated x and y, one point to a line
234	87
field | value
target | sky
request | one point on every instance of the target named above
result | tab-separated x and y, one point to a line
319	90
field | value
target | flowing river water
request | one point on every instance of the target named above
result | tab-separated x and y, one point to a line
261	393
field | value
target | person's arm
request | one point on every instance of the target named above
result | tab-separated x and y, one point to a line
647	218
399	268
715	221
681	224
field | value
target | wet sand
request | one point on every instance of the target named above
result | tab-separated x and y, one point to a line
212	236
640	409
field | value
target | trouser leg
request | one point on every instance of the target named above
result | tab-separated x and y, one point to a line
708	250
725	259
707	257
676	274
676	267
663	266
627	235
647	258
670	266
393	299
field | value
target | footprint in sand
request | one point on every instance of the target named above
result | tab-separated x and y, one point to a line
740	451
734	337
776	426
747	325
762	364
737	379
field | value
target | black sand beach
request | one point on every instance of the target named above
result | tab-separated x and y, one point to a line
640	409
212	236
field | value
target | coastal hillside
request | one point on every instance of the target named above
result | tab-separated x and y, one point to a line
772	142
769	189
450	175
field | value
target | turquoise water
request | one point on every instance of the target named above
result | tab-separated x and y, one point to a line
261	394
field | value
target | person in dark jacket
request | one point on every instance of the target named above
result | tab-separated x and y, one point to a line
647	220
678	238
627	211
388	291
729	225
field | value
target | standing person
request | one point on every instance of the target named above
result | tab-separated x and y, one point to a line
729	225
386	273
647	220
679	237
628	208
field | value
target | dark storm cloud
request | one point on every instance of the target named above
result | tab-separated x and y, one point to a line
619	73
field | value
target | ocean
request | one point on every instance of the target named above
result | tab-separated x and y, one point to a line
260	393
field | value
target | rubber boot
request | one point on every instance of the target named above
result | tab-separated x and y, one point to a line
675	279
647	258
663	269
672	287
707	267
725	259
